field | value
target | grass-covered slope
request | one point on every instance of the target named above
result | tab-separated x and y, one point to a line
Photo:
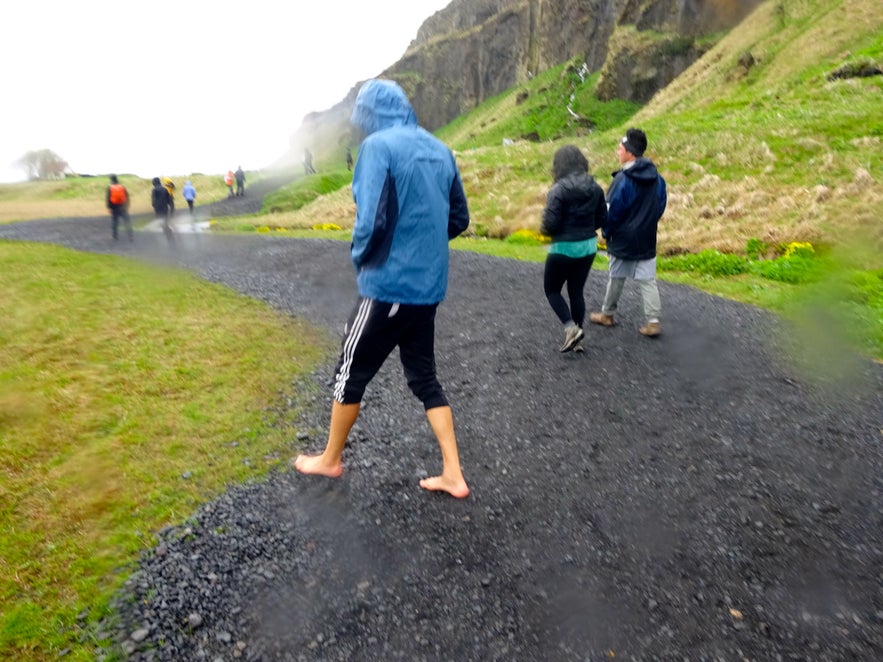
779	151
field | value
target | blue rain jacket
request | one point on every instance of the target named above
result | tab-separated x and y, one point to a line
409	201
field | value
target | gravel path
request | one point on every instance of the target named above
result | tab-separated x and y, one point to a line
693	497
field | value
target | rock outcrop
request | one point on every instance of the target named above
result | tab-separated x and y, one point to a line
475	49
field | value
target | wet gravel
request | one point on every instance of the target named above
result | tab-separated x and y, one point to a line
693	497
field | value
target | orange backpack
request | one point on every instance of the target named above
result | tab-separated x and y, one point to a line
118	194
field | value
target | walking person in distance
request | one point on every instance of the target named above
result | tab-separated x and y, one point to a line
575	210
636	201
240	181
189	193
118	204
161	201
409	203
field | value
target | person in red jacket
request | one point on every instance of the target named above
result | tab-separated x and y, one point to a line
118	204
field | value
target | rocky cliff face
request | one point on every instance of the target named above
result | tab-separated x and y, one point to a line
475	49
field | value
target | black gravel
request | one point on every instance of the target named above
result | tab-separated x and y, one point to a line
693	497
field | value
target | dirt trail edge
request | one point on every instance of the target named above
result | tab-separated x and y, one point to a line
693	497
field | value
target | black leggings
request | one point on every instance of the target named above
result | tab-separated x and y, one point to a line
574	271
374	330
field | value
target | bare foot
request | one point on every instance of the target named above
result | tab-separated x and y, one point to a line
458	489
315	465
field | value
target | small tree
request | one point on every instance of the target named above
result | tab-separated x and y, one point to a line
42	164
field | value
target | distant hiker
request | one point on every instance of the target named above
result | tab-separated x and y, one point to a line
409	204
240	181
118	204
349	159
189	194
228	180
170	187
575	210
636	201
161	200
308	162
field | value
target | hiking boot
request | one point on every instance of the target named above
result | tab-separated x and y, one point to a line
650	329
602	319
572	335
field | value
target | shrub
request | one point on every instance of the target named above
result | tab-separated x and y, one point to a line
527	238
794	269
755	248
326	226
710	262
799	249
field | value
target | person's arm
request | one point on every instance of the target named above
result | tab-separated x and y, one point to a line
619	197
662	196
376	207
458	217
107	198
600	211
551	223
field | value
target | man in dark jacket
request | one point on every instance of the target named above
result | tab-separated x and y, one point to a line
240	181
163	205
636	201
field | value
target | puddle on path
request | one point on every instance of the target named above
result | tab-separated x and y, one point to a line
184	224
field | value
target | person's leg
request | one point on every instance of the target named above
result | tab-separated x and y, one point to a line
167	227
576	283
553	280
114	221
370	336
611	298
451	480
328	463
417	352
650	296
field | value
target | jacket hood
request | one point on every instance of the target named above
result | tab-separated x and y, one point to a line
576	181
643	169
382	104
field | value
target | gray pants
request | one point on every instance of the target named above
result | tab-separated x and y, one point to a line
644	273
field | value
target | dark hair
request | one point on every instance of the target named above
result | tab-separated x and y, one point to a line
567	161
114	180
156	181
635	141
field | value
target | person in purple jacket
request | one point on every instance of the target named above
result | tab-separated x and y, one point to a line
409	203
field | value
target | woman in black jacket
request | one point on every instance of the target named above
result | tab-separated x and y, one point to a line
575	209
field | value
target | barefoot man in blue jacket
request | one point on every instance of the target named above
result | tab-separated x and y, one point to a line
409	204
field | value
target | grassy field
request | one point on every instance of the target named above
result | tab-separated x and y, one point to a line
129	395
85	196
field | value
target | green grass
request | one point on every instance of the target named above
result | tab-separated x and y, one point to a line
537	111
305	190
85	196
129	395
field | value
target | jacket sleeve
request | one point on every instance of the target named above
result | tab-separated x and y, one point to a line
551	214
600	211
619	197
458	217
376	207
662	196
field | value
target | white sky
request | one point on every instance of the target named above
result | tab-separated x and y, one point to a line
174	87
